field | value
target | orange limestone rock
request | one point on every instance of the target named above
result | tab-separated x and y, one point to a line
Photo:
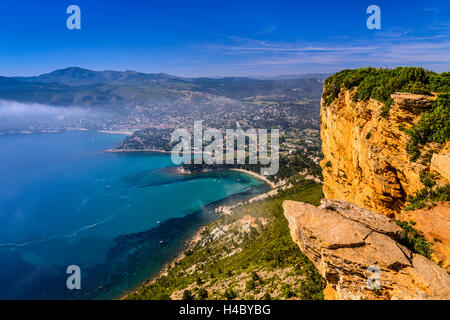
365	159
347	244
434	223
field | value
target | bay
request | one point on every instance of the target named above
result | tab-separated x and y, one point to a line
118	216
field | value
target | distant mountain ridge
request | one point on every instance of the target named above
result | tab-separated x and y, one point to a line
86	88
80	76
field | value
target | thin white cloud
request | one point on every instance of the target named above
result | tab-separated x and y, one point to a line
391	48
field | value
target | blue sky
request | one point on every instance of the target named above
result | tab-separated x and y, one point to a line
222	38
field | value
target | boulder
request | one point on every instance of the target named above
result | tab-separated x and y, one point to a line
357	252
440	163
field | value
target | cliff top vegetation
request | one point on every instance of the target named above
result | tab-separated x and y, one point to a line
379	84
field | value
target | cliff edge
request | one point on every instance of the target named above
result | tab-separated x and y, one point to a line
365	154
380	142
385	141
358	253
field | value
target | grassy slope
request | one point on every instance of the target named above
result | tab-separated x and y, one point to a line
261	263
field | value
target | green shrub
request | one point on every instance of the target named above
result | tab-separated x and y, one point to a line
385	111
312	289
286	291
413	239
266	296
229	294
379	84
161	296
254	276
250	285
187	295
433	126
427	196
202	294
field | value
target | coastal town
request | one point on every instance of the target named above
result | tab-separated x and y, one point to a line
298	122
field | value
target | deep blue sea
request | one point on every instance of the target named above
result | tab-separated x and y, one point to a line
118	216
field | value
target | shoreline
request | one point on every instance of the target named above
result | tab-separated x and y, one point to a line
137	150
145	150
218	208
127	133
214	206
256	175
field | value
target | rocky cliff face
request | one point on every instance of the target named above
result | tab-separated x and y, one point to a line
357	252
365	159
352	241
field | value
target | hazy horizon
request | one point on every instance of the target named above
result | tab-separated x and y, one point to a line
293	74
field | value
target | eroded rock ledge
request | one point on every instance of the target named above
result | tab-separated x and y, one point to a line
343	240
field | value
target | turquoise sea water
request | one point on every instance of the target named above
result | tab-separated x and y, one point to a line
119	216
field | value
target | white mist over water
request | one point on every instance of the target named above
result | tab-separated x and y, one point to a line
12	109
16	117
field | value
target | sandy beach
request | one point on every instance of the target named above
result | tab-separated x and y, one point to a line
128	133
137	150
258	176
217	208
